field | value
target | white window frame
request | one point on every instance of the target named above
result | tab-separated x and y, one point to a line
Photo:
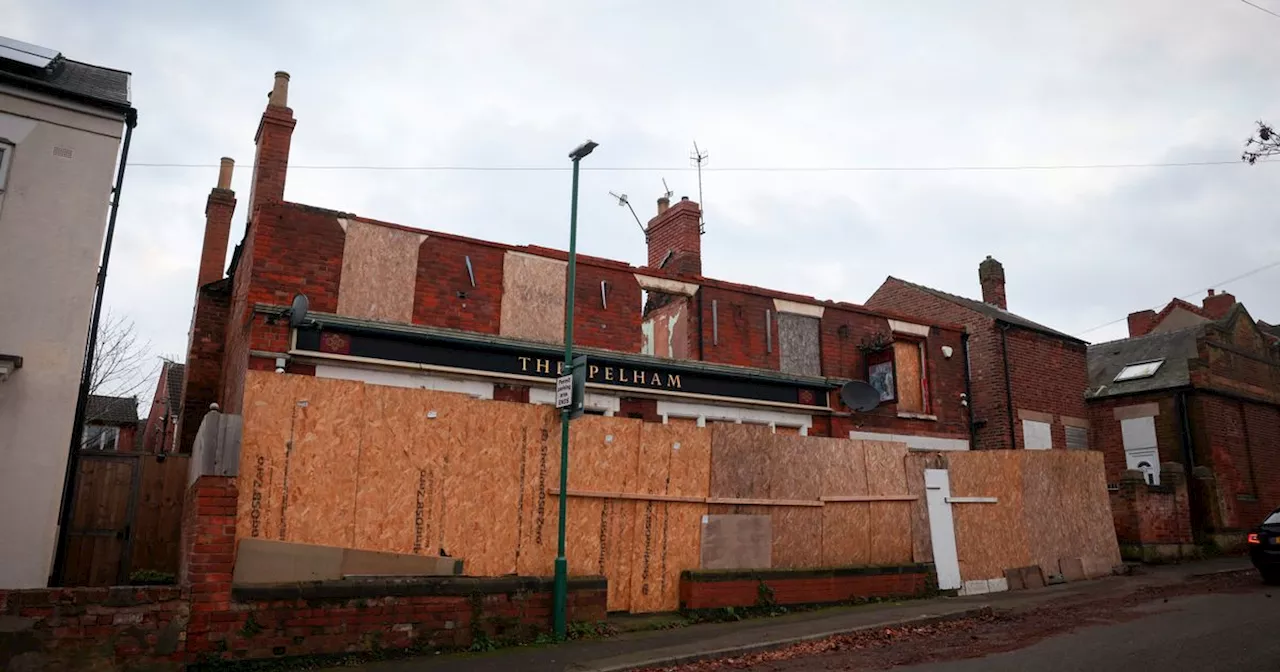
1138	370
1034	438
102	432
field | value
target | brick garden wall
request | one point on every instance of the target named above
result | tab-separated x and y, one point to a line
720	589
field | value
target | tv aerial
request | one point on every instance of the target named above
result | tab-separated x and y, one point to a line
700	157
623	200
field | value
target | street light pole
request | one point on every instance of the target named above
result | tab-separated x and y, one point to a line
561	595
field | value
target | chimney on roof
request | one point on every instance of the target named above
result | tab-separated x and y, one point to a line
271	160
675	237
991	277
218	211
1140	323
1216	305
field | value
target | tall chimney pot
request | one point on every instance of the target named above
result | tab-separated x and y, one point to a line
224	172
280	90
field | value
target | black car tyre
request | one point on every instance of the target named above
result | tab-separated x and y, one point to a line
1270	577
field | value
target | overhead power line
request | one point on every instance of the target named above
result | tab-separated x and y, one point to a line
1261	8
1220	283
732	169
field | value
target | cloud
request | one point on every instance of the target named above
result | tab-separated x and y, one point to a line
759	84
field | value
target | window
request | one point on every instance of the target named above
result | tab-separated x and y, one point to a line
1140	450
1139	370
1037	435
1077	438
98	437
908	357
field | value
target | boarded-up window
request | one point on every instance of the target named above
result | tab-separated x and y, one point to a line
1077	438
798	339
909	361
1037	435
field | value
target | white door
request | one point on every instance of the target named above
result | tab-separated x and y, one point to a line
937	488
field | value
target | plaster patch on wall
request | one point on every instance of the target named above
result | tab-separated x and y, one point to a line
798	344
379	270
533	297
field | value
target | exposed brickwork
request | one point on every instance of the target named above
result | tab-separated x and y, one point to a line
1140	323
991	278
1216	306
519	393
1105	430
296	249
271	160
644	409
612	323
218	211
1147	514
678	232
1049	375
202	377
122	628
444	297
806	587
739	337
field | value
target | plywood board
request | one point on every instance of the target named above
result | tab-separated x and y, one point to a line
1067	509
890	522
989	537
268	405
736	542
906	356
532	298
537	549
845	526
740	464
379	272
318	485
797	474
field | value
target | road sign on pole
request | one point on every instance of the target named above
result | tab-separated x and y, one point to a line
564	391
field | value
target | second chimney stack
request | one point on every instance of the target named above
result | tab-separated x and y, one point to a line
991	277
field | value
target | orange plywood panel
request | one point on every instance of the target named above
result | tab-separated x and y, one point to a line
797	464
890	535
845	526
541	467
532	297
268	405
379	269
319	480
906	355
1067	510
989	537
740	461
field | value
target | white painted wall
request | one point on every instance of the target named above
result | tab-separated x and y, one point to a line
52	221
756	416
422	381
917	442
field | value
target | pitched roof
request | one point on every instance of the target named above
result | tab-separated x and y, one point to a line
1174	347
993	312
103	410
173	386
83	82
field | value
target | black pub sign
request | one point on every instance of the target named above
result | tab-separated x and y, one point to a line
639	373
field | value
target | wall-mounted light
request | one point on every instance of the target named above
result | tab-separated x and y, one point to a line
946	351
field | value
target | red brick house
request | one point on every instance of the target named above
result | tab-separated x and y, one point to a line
110	424
1027	380
1193	393
160	433
396	305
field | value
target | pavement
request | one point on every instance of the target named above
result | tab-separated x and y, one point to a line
637	650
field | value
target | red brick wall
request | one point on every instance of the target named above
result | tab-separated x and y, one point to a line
1105	430
1049	375
1146	514
614	325
678	231
707	590
517	393
442	275
202	379
296	249
218	212
644	409
1241	440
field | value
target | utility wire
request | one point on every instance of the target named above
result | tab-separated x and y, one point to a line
732	169
1261	8
1220	283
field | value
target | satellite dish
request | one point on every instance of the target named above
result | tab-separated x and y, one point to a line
859	395
298	312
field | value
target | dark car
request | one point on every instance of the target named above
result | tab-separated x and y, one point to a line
1264	547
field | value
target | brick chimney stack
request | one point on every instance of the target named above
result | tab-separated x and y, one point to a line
271	161
1216	305
1140	323
991	276
675	237
218	211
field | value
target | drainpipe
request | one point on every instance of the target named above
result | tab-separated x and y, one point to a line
1188	457
91	344
968	390
1008	384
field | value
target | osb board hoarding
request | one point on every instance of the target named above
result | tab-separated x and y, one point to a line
749	462
380	468
1068	511
1053	505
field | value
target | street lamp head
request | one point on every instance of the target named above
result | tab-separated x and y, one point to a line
582	150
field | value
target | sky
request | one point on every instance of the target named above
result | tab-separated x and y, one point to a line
781	95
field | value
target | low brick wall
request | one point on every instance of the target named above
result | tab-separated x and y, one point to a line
1153	522
93	628
706	589
206	619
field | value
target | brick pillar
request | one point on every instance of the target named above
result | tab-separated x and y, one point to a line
208	555
1125	506
1173	475
1210	515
